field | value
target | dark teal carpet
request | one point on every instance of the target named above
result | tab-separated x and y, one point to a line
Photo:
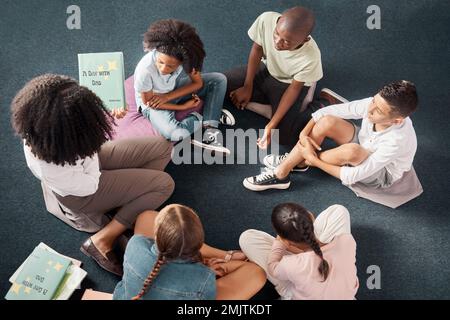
411	245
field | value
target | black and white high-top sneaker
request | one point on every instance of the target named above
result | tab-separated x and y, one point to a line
266	180
227	118
272	161
211	141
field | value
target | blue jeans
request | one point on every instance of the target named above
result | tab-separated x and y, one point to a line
212	93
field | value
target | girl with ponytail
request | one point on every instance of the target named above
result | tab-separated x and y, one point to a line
310	258
167	259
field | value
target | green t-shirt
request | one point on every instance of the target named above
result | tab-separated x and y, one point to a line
303	64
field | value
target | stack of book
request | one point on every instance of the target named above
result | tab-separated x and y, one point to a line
46	275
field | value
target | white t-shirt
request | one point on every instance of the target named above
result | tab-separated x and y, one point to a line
393	148
79	180
302	65
148	78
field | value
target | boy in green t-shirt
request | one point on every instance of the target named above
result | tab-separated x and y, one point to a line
283	63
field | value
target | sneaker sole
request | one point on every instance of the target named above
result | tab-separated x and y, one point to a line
271	167
334	95
212	148
230	116
253	187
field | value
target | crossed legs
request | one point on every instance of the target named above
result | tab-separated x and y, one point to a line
242	279
336	129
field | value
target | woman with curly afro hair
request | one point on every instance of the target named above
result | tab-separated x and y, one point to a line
168	79
65	129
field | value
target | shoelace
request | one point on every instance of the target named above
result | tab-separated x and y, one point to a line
212	135
267	175
281	158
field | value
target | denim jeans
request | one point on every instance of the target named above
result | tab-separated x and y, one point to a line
177	280
212	93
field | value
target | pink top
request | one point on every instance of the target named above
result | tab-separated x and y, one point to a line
302	270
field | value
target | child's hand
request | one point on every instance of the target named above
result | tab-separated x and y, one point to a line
264	141
158	100
241	97
220	269
308	150
193	103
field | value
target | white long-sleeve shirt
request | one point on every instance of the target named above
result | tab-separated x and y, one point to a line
393	148
79	180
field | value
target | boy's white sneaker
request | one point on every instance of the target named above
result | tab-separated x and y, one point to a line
226	118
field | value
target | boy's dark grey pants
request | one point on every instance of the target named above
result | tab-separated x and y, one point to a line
268	90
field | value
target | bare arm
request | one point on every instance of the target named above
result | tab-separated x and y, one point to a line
307	129
241	96
254	59
289	97
194	86
161	101
332	170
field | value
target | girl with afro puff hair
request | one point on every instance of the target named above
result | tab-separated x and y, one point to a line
168	79
65	130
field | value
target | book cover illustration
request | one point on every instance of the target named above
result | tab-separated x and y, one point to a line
104	74
40	277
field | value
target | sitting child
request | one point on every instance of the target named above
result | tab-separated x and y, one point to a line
310	259
167	259
376	155
283	64
161	87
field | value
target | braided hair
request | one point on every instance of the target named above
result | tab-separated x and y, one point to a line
60	120
177	39
293	222
179	235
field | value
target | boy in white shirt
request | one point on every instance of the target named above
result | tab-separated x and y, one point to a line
377	154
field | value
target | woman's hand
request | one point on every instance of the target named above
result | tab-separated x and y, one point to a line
119	113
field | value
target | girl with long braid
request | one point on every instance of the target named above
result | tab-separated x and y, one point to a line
167	259
310	259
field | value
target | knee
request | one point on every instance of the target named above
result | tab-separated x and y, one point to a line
258	275
353	154
246	237
166	184
326	123
340	210
165	146
220	78
217	78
